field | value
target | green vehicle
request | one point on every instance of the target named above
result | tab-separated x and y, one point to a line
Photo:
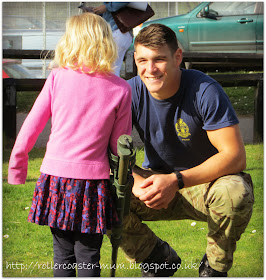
219	27
215	27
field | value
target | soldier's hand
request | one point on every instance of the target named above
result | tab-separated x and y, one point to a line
161	190
137	190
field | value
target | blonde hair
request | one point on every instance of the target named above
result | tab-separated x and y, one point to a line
88	42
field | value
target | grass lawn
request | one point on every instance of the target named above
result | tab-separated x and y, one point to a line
27	248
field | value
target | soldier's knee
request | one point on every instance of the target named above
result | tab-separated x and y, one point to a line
232	195
240	193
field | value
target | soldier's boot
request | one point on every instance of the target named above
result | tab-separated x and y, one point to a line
205	269
162	262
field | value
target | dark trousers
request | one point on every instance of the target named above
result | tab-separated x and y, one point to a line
74	250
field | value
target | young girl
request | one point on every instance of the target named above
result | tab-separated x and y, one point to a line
90	108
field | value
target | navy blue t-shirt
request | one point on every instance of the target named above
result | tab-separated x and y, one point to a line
174	130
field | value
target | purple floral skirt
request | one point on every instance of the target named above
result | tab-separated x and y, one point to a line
72	204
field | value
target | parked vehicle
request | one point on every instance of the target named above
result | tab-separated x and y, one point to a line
21	32
218	27
14	69
26	33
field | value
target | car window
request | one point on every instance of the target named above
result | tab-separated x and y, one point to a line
232	8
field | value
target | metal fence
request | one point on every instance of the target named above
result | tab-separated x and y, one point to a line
39	25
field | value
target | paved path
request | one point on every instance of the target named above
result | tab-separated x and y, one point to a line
246	127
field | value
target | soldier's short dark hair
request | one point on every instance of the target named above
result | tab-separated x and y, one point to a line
155	36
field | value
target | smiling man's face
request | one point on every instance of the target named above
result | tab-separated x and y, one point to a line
159	70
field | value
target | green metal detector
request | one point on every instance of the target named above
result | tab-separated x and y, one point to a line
121	185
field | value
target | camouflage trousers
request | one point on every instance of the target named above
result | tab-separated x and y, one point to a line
225	204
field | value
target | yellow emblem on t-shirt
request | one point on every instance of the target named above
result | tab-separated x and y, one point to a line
182	128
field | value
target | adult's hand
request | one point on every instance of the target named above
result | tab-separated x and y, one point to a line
160	190
138	191
100	10
139	175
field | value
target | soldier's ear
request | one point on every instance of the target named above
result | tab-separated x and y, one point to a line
178	56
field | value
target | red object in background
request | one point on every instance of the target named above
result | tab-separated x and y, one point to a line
14	69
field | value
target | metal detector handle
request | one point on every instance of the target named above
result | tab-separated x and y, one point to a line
124	151
122	184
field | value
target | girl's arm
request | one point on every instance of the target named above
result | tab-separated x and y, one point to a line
28	135
123	122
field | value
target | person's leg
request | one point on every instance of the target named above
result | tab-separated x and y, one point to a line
64	257
87	251
229	202
138	240
197	203
142	245
123	41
